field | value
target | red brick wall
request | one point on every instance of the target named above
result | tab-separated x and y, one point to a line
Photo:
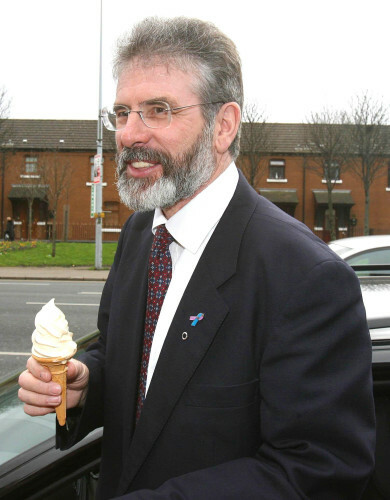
81	225
294	168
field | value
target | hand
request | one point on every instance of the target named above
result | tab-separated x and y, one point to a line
41	396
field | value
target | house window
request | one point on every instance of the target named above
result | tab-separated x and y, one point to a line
31	164
276	169
332	172
388	177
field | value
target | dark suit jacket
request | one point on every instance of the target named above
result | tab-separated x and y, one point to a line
270	396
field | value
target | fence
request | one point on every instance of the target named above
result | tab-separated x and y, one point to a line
86	232
82	232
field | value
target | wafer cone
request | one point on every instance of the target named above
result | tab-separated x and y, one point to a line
58	368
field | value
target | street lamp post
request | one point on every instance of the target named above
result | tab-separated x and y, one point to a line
99	163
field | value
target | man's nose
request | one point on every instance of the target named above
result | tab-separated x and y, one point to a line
134	132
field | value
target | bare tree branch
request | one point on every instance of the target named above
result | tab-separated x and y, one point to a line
6	145
55	172
255	138
370	141
326	141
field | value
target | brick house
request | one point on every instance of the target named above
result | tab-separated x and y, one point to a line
286	181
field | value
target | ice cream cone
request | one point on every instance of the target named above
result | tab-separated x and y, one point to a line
58	368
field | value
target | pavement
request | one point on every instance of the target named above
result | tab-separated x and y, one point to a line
53	273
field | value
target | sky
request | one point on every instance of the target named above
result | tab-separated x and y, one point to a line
298	56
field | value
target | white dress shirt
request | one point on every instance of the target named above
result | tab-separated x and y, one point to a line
191	228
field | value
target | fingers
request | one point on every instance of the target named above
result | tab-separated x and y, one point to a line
40	395
37	391
38	404
37	370
30	384
42	398
77	375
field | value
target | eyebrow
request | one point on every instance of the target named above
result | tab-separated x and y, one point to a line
168	100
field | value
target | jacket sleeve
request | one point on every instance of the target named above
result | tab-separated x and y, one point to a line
81	421
317	414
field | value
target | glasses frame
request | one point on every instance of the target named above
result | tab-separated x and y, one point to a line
109	126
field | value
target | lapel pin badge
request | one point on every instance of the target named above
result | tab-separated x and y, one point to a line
196	318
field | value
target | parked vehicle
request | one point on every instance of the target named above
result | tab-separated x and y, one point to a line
363	250
376	296
32	468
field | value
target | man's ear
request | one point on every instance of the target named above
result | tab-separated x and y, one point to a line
226	126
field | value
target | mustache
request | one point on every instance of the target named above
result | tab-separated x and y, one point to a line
140	154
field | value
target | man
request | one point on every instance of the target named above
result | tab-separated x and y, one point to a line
9	230
253	380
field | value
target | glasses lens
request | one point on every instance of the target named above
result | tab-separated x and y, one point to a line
107	119
156	115
118	116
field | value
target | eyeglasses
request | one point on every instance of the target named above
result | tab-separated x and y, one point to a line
153	114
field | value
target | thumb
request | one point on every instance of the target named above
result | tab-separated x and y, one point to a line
77	374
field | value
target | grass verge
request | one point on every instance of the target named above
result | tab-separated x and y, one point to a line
38	253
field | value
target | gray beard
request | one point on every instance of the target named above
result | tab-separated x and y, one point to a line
182	175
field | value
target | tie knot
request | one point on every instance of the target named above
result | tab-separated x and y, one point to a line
162	237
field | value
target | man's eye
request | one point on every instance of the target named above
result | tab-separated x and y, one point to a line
121	113
157	110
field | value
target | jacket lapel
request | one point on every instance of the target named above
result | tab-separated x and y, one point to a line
129	318
180	358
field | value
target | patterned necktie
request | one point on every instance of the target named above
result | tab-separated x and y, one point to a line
159	277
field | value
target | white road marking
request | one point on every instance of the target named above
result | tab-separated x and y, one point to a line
3	353
22	283
60	304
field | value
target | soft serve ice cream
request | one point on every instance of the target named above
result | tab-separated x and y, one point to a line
53	347
51	337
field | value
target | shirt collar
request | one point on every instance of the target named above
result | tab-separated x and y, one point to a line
191	224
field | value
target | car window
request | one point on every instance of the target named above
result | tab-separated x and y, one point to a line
370	257
18	431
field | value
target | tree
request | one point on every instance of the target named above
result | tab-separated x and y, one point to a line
5	145
370	142
55	172
5	104
255	139
326	134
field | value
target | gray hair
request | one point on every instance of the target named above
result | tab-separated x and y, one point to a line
192	45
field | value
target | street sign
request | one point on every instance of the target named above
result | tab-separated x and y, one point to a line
97	164
93	200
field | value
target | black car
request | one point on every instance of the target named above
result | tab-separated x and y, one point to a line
30	465
32	468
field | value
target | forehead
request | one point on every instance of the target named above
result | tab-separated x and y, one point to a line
140	82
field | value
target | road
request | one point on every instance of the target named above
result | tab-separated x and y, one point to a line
21	300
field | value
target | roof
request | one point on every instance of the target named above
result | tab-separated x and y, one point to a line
24	191
339	197
280	195
80	135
